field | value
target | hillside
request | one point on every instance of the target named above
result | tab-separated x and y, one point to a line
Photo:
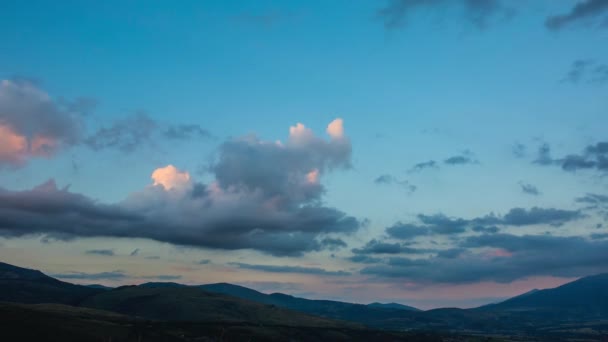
23	285
366	314
195	304
587	296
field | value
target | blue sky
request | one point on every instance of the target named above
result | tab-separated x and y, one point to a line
413	81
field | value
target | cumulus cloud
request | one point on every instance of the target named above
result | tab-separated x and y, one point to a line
169	177
477	12
262	198
290	269
32	124
582	11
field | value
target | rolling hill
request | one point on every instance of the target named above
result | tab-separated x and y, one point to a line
23	285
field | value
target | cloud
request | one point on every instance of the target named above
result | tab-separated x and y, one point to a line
584	10
387	179
462	159
204	262
593	157
152	257
34	125
126	134
169	177
135	252
440	224
519	150
104	252
477	12
587	71
333	244
595	199
186	132
500	258
431	164
290	269
379	247
261	199
112	275
529	189
406	231
364	259
162	277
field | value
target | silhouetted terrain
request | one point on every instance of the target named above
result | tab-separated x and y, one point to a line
171	311
29	286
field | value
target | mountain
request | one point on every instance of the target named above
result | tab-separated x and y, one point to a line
24	285
382	317
185	303
392	306
587	296
99	286
62	323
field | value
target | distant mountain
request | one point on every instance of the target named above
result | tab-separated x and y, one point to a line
587	296
392	306
156	285
185	303
364	314
99	286
24	285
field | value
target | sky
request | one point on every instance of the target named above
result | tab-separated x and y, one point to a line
427	152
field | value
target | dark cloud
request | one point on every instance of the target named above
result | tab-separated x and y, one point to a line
266	196
364	259
593	157
380	247
32	124
584	10
405	231
333	244
104	252
595	199
204	262
587	71
112	275
152	257
431	164
477	12
443	225
290	269
529	189
186	132
134	252
485	229
501	258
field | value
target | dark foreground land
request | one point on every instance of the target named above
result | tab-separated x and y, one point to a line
36	307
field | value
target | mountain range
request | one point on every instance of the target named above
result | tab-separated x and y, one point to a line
578	309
